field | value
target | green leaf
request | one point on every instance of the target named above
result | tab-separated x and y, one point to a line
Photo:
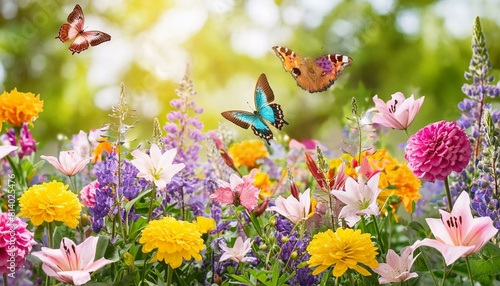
486	261
105	249
130	204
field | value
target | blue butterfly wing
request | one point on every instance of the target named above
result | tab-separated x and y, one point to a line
266	110
246	119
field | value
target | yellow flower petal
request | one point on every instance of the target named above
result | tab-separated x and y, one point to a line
49	202
18	107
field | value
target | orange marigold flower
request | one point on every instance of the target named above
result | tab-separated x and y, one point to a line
247	153
18	107
404	184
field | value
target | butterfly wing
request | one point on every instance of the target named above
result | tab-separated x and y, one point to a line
265	109
246	119
313	75
75	25
92	38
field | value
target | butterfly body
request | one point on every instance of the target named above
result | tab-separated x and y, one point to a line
265	112
74	29
313	75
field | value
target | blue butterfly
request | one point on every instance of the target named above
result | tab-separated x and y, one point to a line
266	111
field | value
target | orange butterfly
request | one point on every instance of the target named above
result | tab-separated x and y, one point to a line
313	75
74	29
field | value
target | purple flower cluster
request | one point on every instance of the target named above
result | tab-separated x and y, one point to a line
474	106
482	174
111	187
290	243
27	145
184	134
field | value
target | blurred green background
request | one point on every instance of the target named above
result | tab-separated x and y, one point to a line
416	47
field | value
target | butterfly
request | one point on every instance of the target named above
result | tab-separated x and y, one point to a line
266	111
74	29
313	75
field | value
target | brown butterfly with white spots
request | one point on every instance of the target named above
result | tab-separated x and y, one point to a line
313	75
74	29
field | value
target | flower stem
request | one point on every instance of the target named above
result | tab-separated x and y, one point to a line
448	193
424	257
50	227
72	184
5	283
469	270
170	273
153	198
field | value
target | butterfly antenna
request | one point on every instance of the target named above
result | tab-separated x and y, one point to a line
250	106
318	51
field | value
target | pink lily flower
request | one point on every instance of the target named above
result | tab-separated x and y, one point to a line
156	167
397	113
458	234
6	149
397	268
238	251
69	162
238	191
360	198
71	263
293	209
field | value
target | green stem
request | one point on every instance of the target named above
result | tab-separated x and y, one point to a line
153	198
72	184
144	269
424	257
351	279
448	193
469	270
51	234
379	237
170	273
5	283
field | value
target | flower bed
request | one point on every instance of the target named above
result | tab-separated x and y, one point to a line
197	208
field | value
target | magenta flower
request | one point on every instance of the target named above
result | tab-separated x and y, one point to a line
156	167
238	251
87	194
458	234
6	150
397	268
26	142
360	198
15	243
69	162
71	263
438	149
397	113
238	191
293	209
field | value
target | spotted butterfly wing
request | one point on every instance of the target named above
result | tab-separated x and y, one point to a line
313	75
265	112
74	29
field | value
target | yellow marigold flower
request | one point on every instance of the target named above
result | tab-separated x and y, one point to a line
173	241
404	184
247	153
346	249
204	224
50	202
18	107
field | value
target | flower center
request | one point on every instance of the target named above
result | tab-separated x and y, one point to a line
392	108
454	226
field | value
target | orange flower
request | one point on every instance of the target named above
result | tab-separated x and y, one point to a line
247	153
104	145
18	107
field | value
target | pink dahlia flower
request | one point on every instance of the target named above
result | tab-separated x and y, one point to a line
438	149
87	194
15	243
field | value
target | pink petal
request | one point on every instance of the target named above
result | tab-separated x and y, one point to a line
450	253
